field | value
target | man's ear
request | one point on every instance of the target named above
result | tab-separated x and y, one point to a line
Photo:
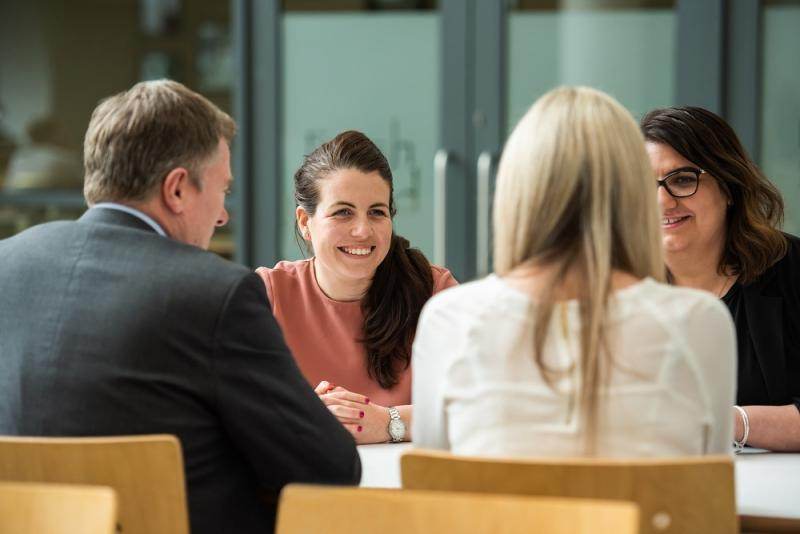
302	222
173	189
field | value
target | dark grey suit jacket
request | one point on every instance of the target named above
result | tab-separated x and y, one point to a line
107	328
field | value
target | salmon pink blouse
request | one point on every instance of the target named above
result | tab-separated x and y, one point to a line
323	333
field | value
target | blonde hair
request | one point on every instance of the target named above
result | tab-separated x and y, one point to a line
136	137
575	190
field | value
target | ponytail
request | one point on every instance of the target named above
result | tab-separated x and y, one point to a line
402	284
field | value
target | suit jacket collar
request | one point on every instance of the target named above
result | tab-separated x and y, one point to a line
116	218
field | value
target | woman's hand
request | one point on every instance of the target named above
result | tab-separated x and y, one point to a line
366	421
324	387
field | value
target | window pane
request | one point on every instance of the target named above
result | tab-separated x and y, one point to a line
388	89
67	56
618	47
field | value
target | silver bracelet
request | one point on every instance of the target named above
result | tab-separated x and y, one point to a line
739	445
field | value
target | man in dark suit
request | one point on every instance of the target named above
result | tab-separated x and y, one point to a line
121	323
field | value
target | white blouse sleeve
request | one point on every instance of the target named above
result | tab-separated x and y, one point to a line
711	337
431	356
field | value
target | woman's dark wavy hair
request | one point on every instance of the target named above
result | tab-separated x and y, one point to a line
754	241
403	281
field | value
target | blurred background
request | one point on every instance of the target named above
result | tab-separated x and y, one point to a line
438	84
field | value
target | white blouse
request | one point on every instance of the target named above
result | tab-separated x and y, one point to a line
477	390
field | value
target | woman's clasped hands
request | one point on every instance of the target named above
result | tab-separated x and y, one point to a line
366	421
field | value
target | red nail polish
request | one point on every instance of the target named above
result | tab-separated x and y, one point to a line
359	428
366	400
361	414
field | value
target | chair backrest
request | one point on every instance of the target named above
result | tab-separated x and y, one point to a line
57	509
145	471
692	494
304	509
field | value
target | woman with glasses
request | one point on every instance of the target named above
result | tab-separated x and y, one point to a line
573	347
721	220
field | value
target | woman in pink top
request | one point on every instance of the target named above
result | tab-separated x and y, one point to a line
350	312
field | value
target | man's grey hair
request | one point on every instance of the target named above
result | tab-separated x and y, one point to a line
135	138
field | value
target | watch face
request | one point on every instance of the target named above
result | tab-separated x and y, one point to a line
397	429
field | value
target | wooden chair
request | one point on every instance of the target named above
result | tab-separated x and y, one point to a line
674	495
304	509
145	471
57	509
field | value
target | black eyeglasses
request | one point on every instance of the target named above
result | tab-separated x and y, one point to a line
681	183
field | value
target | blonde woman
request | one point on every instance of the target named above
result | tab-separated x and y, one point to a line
575	346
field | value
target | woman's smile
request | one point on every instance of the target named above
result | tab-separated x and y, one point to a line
358	251
672	222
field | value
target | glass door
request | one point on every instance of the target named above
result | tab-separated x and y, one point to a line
624	47
780	120
394	69
398	70
368	66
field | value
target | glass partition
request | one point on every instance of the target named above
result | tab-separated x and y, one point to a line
374	71
780	126
626	48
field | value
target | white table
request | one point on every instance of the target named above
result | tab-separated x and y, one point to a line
767	484
380	464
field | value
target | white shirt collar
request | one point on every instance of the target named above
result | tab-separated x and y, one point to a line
136	213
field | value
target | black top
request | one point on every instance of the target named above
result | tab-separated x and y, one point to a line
751	388
767	317
107	328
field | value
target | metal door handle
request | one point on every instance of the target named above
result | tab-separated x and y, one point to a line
440	161
484	198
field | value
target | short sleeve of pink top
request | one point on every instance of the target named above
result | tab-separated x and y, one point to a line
323	333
